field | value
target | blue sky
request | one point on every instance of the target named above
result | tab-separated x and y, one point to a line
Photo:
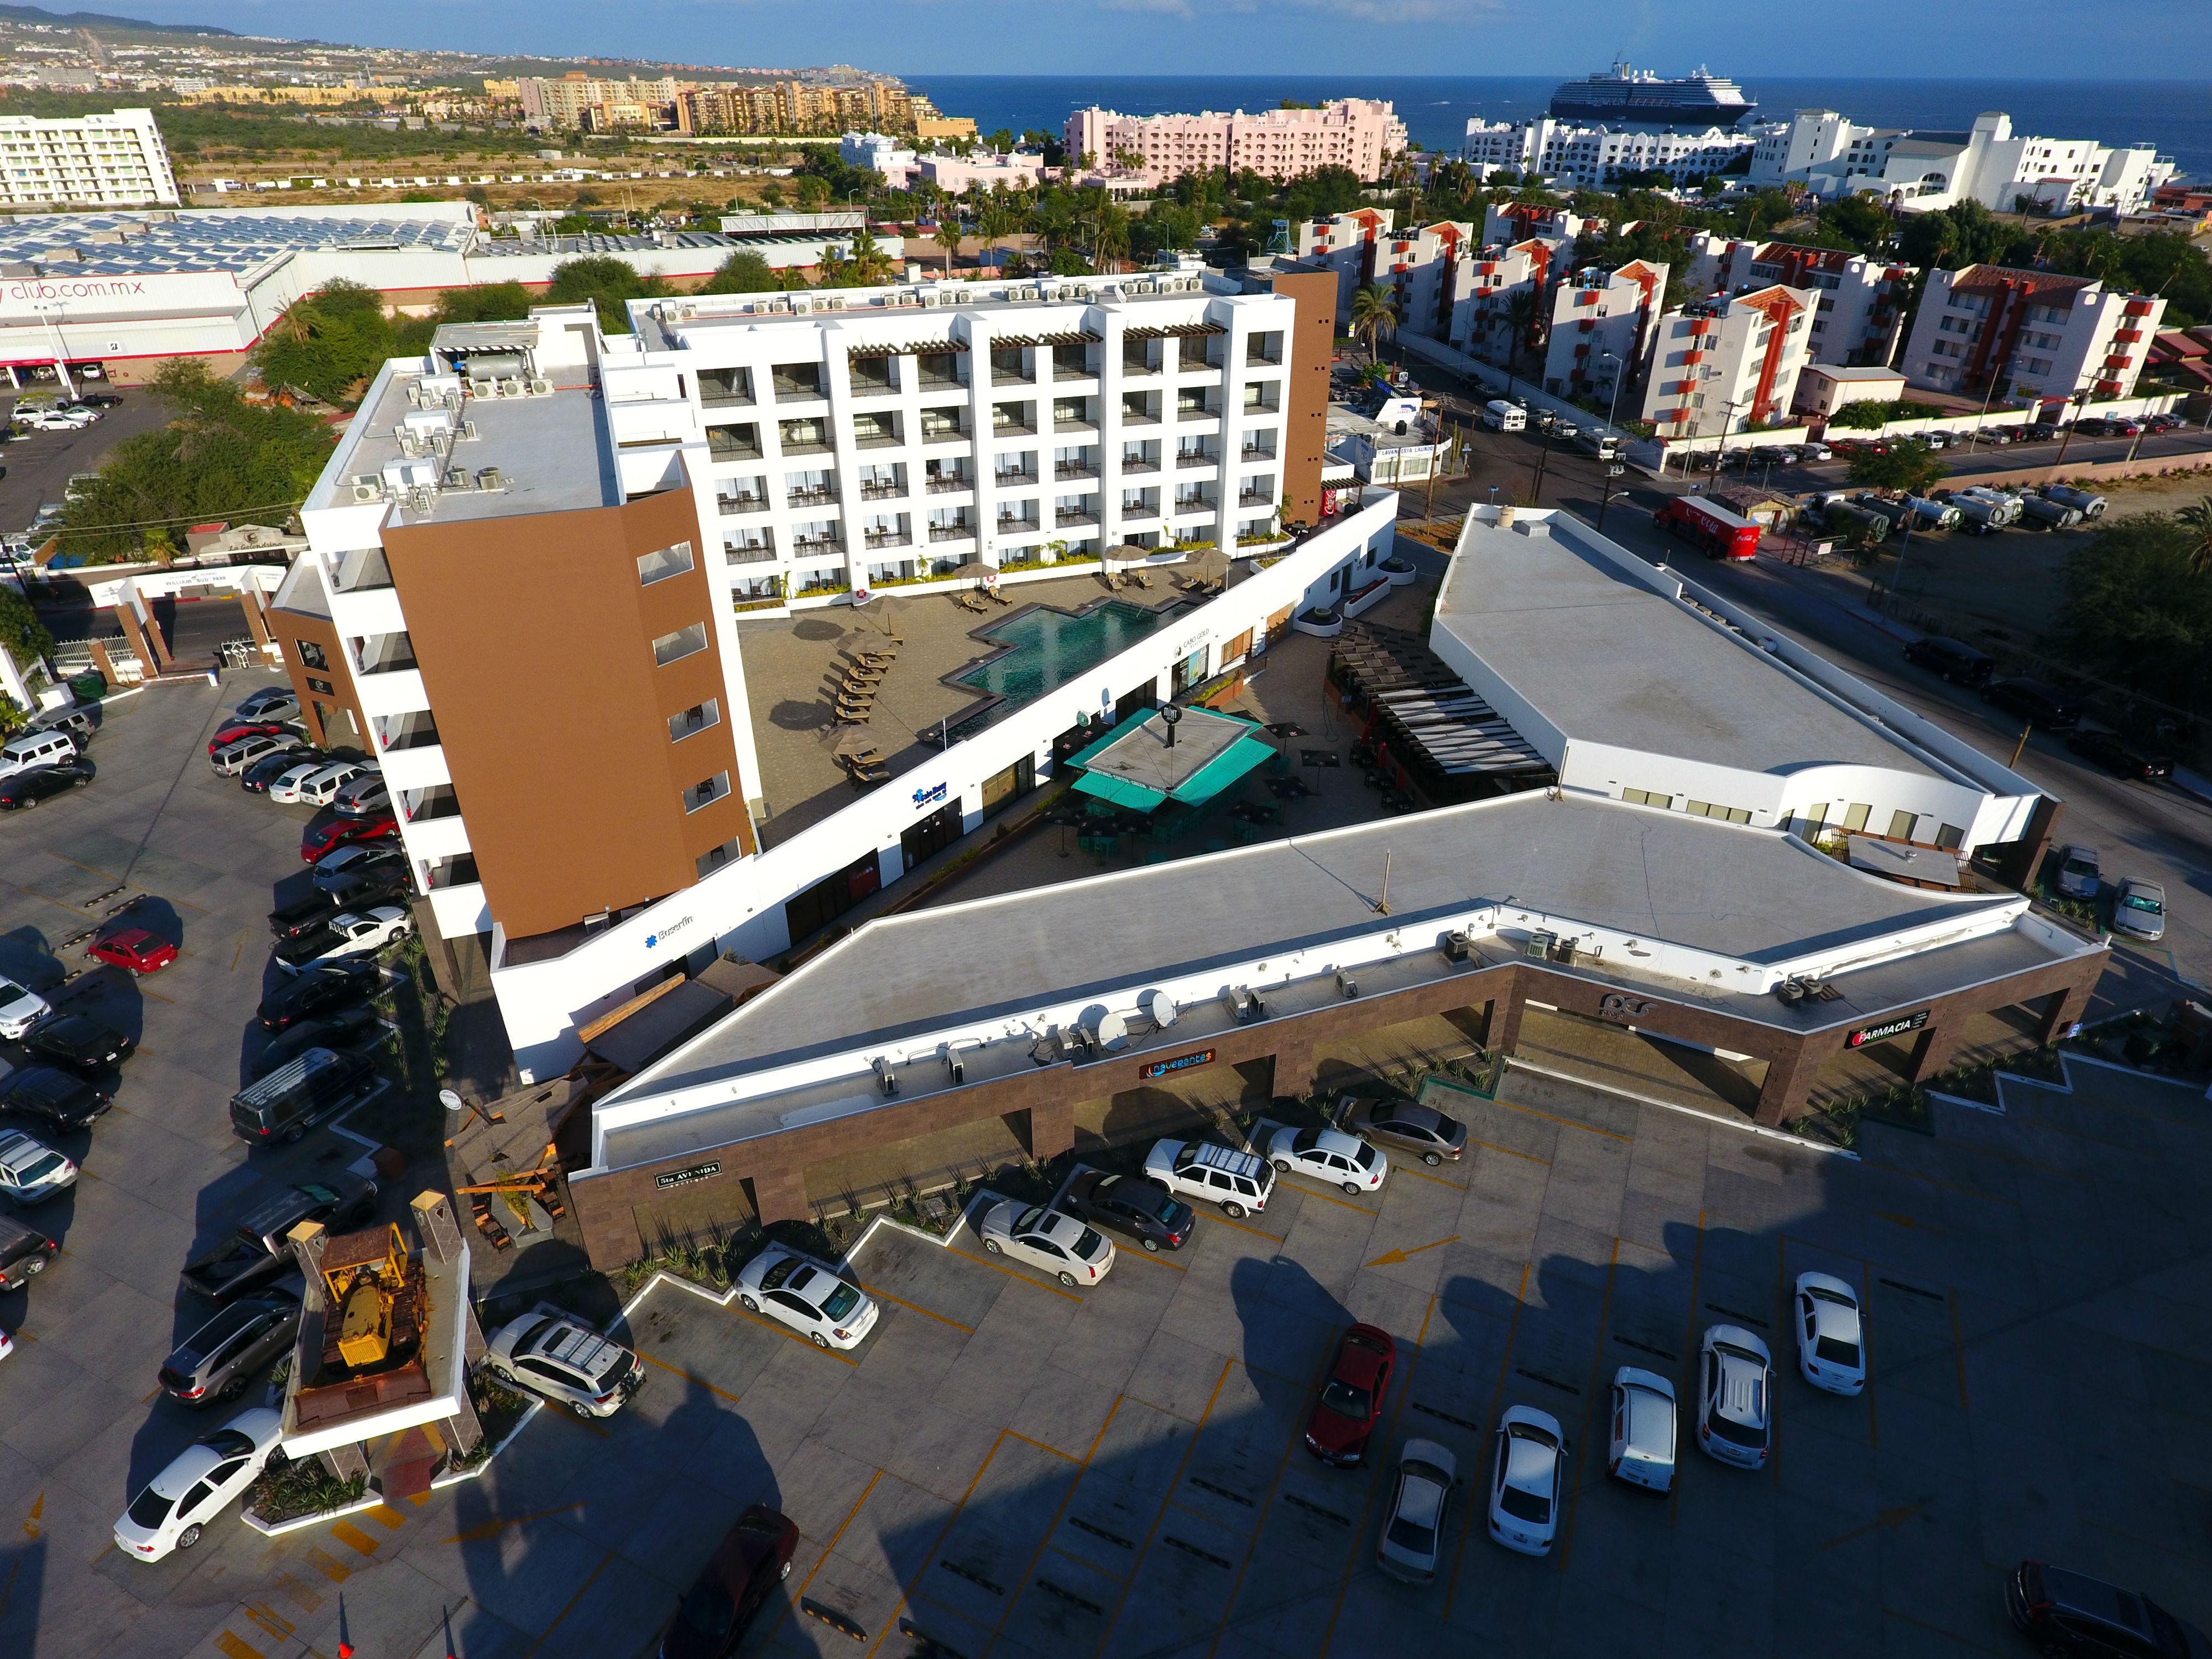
2041	39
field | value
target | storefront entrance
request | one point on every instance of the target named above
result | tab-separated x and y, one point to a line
833	896
937	831
1189	672
1003	788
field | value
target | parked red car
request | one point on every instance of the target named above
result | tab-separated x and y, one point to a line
721	1605
1351	1402
133	948
321	838
234	730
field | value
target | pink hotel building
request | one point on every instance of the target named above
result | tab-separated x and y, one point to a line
1359	133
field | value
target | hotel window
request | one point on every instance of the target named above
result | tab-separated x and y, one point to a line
1646	798
694	719
715	857
1855	819
661	564
684	642
706	792
1900	825
1809	821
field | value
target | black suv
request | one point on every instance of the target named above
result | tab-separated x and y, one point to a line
53	1097
217	1361
318	989
1132	1207
1953	659
78	1040
2033	701
2065	1612
23	1255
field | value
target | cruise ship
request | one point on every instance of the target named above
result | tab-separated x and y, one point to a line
1626	93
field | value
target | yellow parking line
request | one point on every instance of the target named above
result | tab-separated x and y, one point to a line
1012	1273
1408	1169
890	1623
549	1630
1572	1123
1246	1227
678	1371
916	1307
354	1538
1331	1198
1466	1522
1589	1404
1212	1400
1509	1152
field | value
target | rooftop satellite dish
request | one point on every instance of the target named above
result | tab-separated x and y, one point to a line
1113	1031
1161	1007
452	1101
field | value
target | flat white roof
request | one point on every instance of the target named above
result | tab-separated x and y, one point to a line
1610	659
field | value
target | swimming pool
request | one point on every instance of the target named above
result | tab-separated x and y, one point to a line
1051	647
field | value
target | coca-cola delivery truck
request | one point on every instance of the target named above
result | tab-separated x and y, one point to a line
1722	534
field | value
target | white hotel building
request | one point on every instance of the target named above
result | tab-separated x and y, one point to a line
1596	158
1989	163
540	560
111	160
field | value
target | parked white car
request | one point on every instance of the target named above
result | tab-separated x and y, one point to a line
1329	1155
786	1286
287	788
554	1355
1831	1334
31	1171
20	1009
1527	1480
358	933
1735	1396
1641	1452
201	1481
1047	1240
1238	1181
321	788
1420	1506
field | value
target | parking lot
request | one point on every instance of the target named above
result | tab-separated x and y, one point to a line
82	1424
1007	1467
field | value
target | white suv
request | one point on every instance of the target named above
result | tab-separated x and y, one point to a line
1735	1396
552	1353
20	1009
1238	1181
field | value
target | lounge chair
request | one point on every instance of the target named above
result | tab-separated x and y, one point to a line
1138	578
968	601
854	708
996	597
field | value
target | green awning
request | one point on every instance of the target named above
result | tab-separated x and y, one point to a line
1235	743
1224	769
1120	791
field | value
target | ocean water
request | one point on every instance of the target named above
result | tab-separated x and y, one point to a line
2174	115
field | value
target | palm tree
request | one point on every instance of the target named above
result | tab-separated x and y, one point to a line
1373	315
1111	240
2199	519
948	232
1521	322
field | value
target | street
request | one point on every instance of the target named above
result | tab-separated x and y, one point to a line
2151	831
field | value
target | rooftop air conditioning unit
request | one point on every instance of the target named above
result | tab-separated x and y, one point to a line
1345	985
1457	947
456	477
491	478
367	492
542	387
469	429
1540	945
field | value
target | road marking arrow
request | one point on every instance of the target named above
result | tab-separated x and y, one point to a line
1392	1258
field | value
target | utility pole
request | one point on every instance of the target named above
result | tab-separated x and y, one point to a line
1614	470
2021	748
1543	461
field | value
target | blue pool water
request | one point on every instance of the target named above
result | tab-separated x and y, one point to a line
1051	647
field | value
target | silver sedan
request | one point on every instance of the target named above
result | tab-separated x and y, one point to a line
1045	1239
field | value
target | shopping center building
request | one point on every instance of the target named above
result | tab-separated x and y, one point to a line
1749	858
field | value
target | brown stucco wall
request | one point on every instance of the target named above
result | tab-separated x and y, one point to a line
534	637
1306	391
287	629
773	1167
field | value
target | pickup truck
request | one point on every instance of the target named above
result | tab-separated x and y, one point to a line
257	1253
349	933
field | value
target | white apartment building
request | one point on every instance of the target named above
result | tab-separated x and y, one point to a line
1728	363
1596	158
2018	335
533	552
1989	163
879	153
1517	221
1861	310
115	160
1482	314
1347	244
1427	270
1601	328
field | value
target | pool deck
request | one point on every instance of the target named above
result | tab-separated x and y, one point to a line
794	663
